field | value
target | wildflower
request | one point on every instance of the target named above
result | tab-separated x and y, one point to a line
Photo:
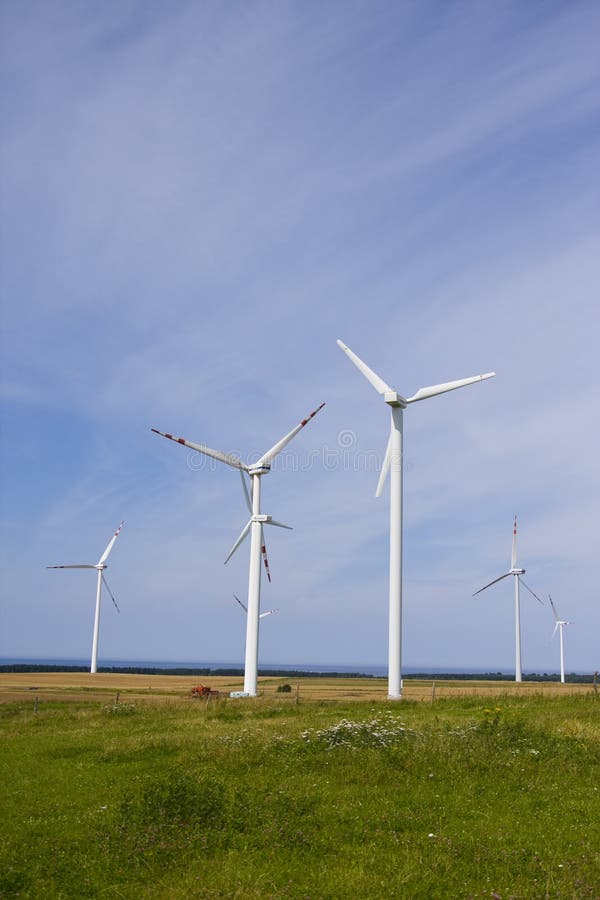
381	731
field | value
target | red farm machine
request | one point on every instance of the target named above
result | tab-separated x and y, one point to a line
203	692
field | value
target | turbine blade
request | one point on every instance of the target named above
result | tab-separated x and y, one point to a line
513	558
243	605
555	629
71	567
435	389
110	592
533	593
270	455
385	468
201	448
246	492
104	556
553	607
269	612
263	550
245	531
486	586
280	524
378	383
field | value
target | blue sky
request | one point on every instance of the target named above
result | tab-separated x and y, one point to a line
197	200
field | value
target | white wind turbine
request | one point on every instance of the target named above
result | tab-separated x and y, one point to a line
517	573
560	624
255	526
100	566
393	463
263	615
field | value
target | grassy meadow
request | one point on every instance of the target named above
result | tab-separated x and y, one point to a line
300	797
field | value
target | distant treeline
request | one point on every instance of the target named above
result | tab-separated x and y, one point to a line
291	673
573	677
153	670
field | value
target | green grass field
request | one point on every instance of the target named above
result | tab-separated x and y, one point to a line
266	798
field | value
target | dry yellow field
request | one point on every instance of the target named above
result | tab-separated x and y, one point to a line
103	687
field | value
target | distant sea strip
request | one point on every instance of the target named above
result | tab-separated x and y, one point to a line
235	670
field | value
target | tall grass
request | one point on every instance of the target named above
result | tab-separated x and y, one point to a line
268	799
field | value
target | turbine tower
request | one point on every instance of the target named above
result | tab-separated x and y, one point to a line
392	463
517	573
254	526
560	624
100	566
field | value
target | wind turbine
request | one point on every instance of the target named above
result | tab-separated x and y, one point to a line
100	566
560	624
392	463
254	526
517	573
262	615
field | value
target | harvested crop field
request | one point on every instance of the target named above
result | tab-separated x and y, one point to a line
79	686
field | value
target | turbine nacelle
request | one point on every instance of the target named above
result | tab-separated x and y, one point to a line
517	572
393	398
258	470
